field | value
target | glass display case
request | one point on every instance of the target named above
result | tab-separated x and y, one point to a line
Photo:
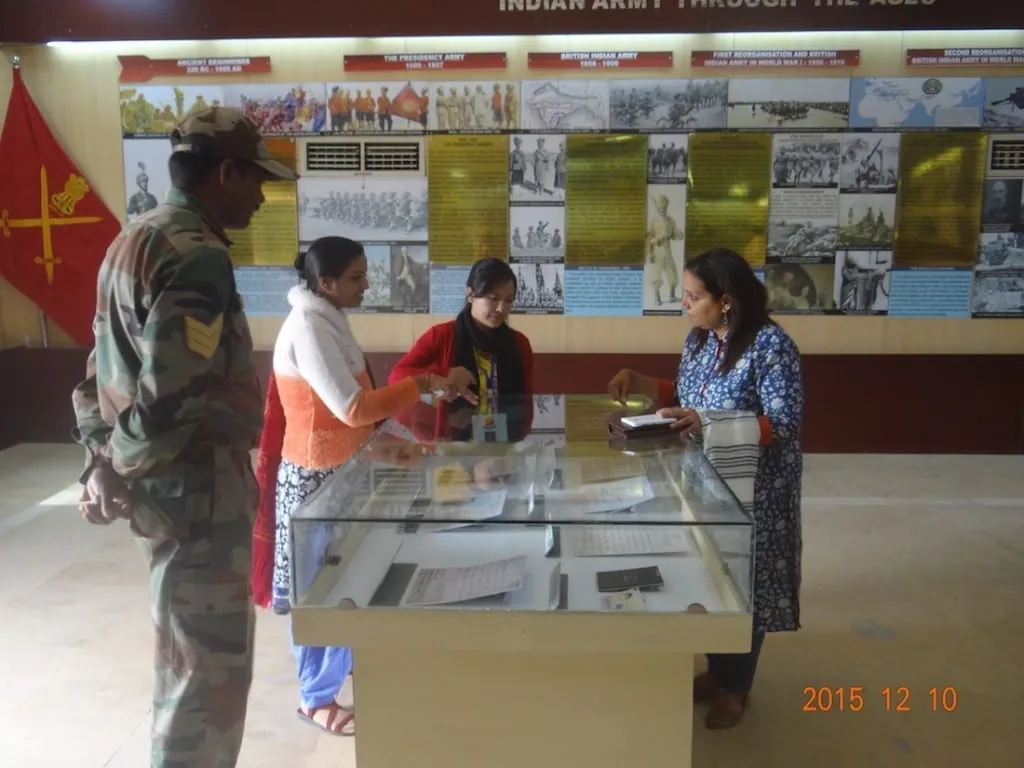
523	578
539	522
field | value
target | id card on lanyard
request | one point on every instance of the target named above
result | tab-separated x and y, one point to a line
491	384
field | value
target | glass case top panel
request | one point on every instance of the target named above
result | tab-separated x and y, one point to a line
545	457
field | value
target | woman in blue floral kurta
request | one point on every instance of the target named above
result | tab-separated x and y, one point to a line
737	358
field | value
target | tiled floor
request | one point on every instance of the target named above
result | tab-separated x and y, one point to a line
913	577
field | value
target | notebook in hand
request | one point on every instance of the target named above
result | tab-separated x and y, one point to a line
647	426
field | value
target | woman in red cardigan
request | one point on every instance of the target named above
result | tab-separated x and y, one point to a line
479	353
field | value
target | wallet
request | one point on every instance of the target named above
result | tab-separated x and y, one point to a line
630	578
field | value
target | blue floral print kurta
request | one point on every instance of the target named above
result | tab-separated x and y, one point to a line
767	380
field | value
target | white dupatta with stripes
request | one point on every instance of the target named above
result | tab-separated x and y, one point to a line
732	442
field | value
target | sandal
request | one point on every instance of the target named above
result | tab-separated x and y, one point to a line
723	713
705	685
332	718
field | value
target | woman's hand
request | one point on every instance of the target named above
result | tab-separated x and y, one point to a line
686	421
621	385
460	383
446	387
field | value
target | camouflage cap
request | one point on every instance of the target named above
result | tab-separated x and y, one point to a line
226	133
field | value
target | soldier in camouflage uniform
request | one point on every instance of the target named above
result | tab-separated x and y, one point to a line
168	413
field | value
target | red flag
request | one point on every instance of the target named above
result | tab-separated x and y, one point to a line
407	104
54	229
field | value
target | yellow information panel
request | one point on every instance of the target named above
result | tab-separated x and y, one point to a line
272	239
605	199
730	187
938	211
468	214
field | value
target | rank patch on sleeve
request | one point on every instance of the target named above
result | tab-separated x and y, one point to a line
203	338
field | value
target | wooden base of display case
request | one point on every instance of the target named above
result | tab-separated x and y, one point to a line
436	689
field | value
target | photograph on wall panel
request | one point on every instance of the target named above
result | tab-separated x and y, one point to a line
667	158
999	276
146	177
564	105
288	109
536	169
153	110
800	288
541	288
916	102
804	207
371	210
482	105
663	259
862	279
805	161
1004	103
536	233
787	103
1001	205
378	107
870	162
667	105
867	221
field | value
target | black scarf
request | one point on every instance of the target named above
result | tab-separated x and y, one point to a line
500	344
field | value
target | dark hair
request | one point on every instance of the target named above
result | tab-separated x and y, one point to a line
189	171
487	274
326	257
725	273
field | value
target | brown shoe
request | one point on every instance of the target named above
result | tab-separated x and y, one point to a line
705	685
727	710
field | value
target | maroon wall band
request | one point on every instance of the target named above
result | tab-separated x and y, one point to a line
854	403
48	20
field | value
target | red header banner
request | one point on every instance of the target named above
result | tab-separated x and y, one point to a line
414	62
965	57
142	69
774	59
601	60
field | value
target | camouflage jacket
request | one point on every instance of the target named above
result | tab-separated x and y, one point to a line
171	370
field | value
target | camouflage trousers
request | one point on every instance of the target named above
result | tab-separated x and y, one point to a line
194	524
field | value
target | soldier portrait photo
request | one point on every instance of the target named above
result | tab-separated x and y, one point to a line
146	179
862	281
663	255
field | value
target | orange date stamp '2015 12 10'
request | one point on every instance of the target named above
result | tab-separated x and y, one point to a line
857	698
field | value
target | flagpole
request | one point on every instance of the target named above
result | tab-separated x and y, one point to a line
44	330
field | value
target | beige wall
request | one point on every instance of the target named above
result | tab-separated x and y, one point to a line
77	90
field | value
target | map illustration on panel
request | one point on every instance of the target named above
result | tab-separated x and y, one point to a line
565	105
916	102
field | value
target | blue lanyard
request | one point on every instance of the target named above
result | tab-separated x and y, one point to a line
492	384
